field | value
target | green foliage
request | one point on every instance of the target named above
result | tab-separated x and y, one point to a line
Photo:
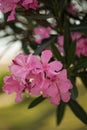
74	90
81	63
36	102
71	53
67	36
60	112
78	111
56	52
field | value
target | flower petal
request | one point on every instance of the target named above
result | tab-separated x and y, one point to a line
55	66
65	96
46	56
55	100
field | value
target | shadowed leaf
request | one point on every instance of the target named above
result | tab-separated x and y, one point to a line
78	111
36	102
56	52
60	112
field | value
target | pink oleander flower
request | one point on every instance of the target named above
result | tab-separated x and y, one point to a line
31	75
54	82
11	5
13	85
81	44
8	6
57	87
37	83
22	65
45	70
25	76
41	33
81	48
47	66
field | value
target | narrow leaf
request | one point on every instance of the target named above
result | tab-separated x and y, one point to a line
79	28
25	47
71	53
62	4
36	102
78	111
60	112
82	63
82	74
39	16
56	52
67	37
74	90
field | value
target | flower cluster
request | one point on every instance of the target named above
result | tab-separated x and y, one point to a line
81	44
42	33
44	76
11	5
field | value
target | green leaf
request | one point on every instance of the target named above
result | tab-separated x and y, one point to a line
56	52
60	112
36	102
25	47
79	28
44	45
82	74
82	63
78	111
74	90
62	4
67	36
71	53
39	16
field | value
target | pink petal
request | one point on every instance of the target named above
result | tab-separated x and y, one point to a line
36	91
33	62
64	86
64	83
76	36
55	100
38	40
66	96
12	14
18	71
20	60
13	85
60	40
46	56
18	98
55	66
51	91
